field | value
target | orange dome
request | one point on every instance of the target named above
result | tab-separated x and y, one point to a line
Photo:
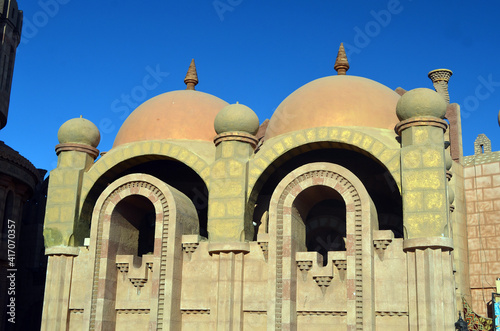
184	114
336	101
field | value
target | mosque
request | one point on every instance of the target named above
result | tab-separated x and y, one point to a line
351	208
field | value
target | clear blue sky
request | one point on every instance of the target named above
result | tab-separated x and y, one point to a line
79	57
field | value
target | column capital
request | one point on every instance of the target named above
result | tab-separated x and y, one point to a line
421	121
445	243
233	247
62	250
236	136
92	151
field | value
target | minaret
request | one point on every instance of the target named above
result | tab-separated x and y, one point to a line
191	79
341	63
11	22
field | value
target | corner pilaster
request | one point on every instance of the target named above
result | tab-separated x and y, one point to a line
76	152
426	207
228	217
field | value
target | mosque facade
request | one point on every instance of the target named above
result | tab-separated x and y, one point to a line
352	208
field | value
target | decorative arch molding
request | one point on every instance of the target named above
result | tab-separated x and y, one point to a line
148	150
361	219
383	149
175	215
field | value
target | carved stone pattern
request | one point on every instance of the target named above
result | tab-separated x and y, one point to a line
321	313
201	311
255	312
340	264
391	313
76	311
323	281
305	265
138	282
381	243
349	189
190	248
265	248
123	267
132	311
161	296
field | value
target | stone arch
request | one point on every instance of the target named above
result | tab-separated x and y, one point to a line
148	149
175	215
379	144
361	220
112	164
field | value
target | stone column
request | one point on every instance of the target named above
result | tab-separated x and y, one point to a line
57	288
228	217
431	286
76	152
431	289
230	261
227	192
229	221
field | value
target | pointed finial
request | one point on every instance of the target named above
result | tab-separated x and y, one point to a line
341	63
191	77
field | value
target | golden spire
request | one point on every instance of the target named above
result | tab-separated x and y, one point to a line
341	63
191	77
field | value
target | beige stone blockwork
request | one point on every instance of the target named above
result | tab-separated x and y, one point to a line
480	298
491	193
483	181
496	180
491	168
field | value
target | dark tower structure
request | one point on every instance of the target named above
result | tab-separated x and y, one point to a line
22	204
11	23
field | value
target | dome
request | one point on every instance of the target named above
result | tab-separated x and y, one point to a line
339	100
421	102
183	114
237	117
79	131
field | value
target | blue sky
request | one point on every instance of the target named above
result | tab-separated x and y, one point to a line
80	57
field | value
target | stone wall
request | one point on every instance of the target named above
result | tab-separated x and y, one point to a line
482	195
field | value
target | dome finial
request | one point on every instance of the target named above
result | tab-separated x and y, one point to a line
341	63
191	79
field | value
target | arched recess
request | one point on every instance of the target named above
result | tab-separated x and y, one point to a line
173	164
377	180
112	234
286	238
323	212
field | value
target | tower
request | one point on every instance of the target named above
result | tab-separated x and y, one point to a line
11	23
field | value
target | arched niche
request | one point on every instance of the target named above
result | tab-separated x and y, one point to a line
121	213
323	212
133	221
170	171
287	237
377	180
